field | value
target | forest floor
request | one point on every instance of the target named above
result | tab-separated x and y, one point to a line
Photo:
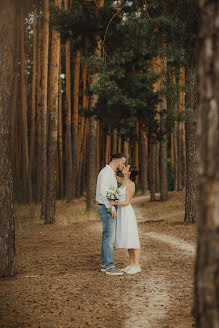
58	282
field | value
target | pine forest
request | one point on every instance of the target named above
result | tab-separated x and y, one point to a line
85	84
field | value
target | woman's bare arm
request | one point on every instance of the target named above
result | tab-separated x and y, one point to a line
129	195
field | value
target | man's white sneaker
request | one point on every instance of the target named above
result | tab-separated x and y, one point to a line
134	270
126	268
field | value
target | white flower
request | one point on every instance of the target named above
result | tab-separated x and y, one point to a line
113	193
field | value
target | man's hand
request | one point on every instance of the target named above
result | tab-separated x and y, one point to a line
114	214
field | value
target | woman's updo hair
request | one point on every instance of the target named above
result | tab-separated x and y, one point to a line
134	172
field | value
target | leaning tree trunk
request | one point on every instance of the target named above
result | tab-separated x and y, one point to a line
207	261
44	94
191	206
53	126
7	224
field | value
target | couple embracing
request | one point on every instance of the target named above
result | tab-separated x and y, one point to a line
118	217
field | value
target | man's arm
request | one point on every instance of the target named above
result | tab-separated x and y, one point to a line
104	186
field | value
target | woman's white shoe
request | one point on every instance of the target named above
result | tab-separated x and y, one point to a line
126	268
134	270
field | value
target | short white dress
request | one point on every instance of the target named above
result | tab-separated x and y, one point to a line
126	232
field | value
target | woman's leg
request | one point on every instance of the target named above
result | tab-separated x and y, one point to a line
134	255
131	256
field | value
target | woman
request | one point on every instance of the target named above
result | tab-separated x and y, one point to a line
126	235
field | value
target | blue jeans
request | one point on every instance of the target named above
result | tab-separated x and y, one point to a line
109	225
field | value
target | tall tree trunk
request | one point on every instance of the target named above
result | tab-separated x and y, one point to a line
91	183
114	141
107	153
157	167
180	157
153	169
163	159
44	109
163	142
85	103
14	110
172	149
53	125
69	170
207	260
143	168
176	157
60	153
38	116
126	150
7	215
75	121
33	109
98	146
119	144
136	149
24	107
191	204
181	137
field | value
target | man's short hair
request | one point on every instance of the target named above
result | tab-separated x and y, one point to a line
116	156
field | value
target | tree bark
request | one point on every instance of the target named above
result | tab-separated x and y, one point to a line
33	108
38	115
25	156
157	167
69	170
114	141
153	169
143	163
91	181
75	121
14	110
176	157
207	260
7	214
53	125
191	205
44	109
163	159
60	152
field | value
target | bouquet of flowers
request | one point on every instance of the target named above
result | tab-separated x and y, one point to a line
113	193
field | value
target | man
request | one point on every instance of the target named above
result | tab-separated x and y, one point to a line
107	213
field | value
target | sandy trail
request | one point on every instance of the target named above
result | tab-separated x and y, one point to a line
188	248
152	296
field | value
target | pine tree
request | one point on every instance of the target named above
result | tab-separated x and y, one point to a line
44	109
207	260
53	125
7	55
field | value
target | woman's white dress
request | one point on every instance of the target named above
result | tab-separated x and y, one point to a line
126	233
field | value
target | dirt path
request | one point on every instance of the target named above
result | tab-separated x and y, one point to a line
58	282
